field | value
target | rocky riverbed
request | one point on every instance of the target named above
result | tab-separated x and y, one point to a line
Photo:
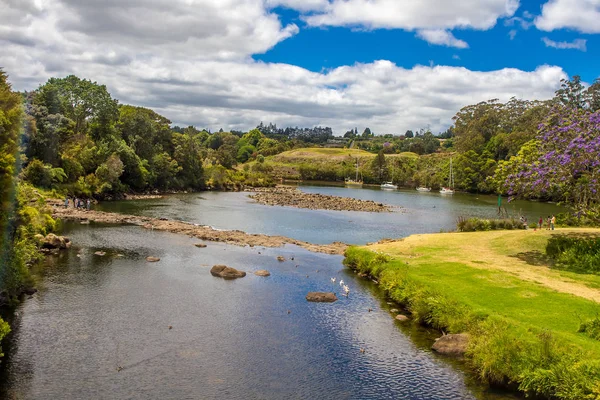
201	232
292	197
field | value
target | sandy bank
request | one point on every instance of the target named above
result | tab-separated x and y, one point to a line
201	232
292	197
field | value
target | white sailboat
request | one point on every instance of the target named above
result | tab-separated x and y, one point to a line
389	185
423	189
449	189
355	183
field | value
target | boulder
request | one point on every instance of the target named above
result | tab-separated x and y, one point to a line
321	297
152	259
100	253
280	258
225	272
394	310
401	318
453	344
262	272
52	241
200	245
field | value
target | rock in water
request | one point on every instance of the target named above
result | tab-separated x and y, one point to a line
225	272
321	297
453	344
100	253
52	241
152	259
262	272
200	245
401	317
280	258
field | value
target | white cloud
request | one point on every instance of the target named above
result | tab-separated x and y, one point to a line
300	5
412	15
207	79
581	15
441	37
512	34
577	44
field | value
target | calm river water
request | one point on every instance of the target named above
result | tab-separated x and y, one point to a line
99	326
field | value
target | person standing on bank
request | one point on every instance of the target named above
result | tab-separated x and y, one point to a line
540	223
552	222
88	203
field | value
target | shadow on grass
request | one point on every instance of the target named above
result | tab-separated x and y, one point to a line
536	258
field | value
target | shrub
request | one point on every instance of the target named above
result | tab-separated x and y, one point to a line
477	224
591	328
575	253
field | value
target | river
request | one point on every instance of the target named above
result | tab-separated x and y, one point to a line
118	327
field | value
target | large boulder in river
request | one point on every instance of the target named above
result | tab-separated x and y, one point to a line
262	272
321	297
152	259
52	241
453	344
225	272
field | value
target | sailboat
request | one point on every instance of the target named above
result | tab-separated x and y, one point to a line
389	185
423	189
450	188
355	183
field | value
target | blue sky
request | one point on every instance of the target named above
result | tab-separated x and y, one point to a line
317	48
390	65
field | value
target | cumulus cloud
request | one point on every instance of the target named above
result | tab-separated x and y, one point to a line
577	44
412	15
581	15
441	37
195	76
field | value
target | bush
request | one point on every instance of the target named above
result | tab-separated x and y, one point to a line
591	328
477	224
577	253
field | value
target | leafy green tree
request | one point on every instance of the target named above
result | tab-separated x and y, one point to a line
367	133
409	134
188	154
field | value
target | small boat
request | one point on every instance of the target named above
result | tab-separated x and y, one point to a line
449	189
354	183
389	185
423	189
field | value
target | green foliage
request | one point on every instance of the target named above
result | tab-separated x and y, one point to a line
479	225
575	253
591	328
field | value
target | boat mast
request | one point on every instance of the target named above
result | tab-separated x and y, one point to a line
356	170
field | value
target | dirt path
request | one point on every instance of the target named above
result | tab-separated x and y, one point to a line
497	251
201	232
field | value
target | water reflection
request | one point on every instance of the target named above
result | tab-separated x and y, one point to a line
419	213
249	338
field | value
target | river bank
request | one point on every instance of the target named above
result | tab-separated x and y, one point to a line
293	197
522	317
201	232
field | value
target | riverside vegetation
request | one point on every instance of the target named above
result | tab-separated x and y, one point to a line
530	326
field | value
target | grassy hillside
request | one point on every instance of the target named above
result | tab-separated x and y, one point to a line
334	164
522	315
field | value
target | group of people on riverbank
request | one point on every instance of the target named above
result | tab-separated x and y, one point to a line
79	203
550	222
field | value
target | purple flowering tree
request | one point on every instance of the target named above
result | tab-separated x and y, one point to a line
563	163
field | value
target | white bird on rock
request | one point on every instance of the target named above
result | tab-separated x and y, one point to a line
341	282
333	280
346	290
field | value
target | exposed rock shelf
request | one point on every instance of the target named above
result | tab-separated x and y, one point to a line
201	232
292	197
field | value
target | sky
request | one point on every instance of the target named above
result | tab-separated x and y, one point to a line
390	65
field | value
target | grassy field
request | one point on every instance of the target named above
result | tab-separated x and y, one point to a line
330	154
522	315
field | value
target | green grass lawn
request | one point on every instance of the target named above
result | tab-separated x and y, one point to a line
498	287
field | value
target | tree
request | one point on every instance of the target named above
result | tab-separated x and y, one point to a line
568	166
379	166
409	134
367	133
81	100
572	93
